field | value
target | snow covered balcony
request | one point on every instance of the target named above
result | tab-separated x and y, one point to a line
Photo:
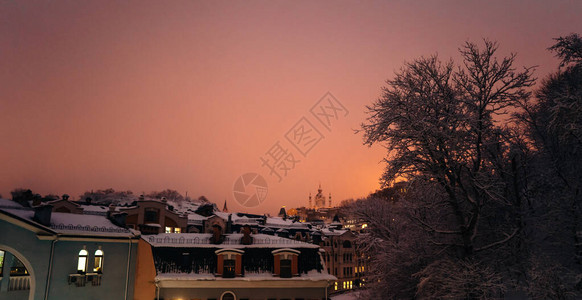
192	266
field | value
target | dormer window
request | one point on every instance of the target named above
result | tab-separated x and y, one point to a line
286	262
229	262
82	262
98	267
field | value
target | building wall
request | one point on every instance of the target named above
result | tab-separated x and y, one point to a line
35	254
243	293
117	276
347	259
145	288
136	216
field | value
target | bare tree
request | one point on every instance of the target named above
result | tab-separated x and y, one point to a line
554	125
438	123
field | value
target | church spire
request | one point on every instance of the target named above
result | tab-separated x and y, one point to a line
224	209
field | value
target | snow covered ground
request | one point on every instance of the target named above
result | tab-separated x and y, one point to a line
346	296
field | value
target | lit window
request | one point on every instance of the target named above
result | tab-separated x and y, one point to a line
335	286
98	267
18	268
350	284
1	262
177	230
344	283
168	229
229	268
82	264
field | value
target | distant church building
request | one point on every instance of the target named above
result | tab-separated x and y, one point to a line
319	210
319	200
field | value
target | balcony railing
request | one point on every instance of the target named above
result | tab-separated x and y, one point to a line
19	283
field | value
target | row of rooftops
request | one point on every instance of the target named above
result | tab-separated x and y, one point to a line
169	249
93	220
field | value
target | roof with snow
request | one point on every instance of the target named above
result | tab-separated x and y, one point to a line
71	224
276	222
196	219
6	203
186	258
328	231
312	275
202	240
95	209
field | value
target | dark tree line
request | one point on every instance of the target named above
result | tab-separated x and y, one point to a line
494	170
104	197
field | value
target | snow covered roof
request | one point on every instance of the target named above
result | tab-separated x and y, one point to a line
76	224
95	209
328	232
202	240
222	215
6	203
244	220
281	223
195	219
249	276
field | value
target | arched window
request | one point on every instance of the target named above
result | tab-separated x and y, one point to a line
229	262
82	263
228	296
98	267
1	262
286	262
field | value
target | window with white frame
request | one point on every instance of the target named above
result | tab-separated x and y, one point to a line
98	266
82	262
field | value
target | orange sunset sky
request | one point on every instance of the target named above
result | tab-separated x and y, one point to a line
188	95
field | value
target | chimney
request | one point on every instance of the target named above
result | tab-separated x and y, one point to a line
246	239
229	224
42	214
118	219
216	237
36	202
111	210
